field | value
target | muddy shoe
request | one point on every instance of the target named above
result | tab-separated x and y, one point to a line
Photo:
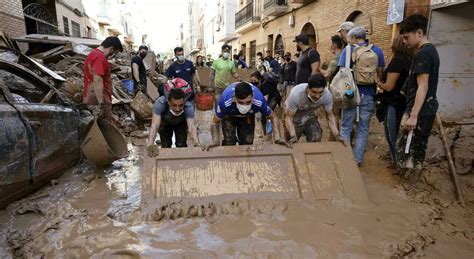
410	179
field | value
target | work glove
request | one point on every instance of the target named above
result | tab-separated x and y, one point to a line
281	142
152	150
292	141
343	141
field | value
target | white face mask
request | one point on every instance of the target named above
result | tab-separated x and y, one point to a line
180	58
226	55
175	113
311	99
244	109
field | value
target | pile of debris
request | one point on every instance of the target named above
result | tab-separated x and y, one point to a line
59	61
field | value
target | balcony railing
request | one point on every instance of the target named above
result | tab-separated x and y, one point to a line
245	15
274	3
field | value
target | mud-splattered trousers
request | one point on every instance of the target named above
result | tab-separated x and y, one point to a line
238	129
416	155
311	129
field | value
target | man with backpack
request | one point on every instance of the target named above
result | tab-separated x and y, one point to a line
343	29
308	62
172	113
367	62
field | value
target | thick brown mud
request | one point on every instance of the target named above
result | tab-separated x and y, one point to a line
88	214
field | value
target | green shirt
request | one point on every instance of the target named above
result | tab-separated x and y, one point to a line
222	68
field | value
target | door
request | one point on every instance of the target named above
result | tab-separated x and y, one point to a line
253	53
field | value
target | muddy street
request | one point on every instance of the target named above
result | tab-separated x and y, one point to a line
236	129
99	215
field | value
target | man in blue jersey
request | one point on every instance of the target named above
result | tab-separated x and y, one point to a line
236	111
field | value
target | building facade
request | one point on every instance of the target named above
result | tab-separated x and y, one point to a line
12	20
71	18
273	24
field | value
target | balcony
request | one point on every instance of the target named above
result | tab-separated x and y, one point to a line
275	7
303	2
247	18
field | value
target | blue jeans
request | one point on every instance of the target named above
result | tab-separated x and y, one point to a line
366	109
393	116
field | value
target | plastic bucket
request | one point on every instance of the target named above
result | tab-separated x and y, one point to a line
205	101
104	144
129	86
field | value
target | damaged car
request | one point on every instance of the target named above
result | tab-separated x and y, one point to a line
39	132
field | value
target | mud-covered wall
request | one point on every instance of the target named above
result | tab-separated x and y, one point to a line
452	32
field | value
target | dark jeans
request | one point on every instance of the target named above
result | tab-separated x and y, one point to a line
416	156
238	129
311	129
180	132
393	117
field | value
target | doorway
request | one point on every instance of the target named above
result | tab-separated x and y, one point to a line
310	31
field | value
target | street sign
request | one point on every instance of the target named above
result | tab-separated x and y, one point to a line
395	11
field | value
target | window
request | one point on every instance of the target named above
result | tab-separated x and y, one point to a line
66	25
22	90
76	29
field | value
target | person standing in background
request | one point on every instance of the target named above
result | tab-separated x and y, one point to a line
221	68
308	62
97	90
336	48
289	73
138	69
343	29
200	62
241	62
392	102
184	69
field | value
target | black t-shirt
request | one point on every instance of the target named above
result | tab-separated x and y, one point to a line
289	72
426	61
141	70
271	90
399	65
303	68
